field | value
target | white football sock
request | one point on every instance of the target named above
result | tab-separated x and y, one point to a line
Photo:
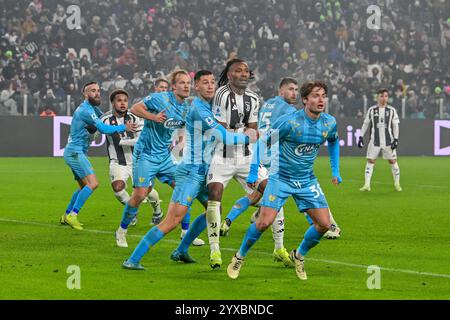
213	224
332	218
278	230
396	172
153	198
368	173
122	196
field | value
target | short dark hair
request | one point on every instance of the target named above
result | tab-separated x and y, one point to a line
88	84
201	73
307	87
116	92
382	90
159	80
286	81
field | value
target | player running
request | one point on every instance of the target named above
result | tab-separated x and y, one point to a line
85	122
164	113
201	128
120	152
384	122
299	136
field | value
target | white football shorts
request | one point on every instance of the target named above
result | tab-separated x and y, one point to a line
373	152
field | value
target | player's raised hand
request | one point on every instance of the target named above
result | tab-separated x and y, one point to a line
160	117
336	180
360	142
131	126
251	183
394	144
252	176
252	134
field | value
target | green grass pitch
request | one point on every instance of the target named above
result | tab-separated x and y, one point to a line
405	233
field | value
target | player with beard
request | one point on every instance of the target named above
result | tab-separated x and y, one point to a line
85	121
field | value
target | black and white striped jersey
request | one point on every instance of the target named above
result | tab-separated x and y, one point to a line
121	154
237	111
383	123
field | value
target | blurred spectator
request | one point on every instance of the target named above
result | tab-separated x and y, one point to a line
326	39
8	106
49	101
335	107
48	112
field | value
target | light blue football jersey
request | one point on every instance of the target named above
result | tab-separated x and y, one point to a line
300	138
271	110
79	138
156	138
200	119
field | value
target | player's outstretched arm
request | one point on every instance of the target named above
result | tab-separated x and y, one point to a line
140	110
128	142
109	129
333	149
231	138
259	148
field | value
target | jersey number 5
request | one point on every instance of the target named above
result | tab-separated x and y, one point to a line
266	119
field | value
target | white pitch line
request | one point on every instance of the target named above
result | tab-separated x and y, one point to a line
404	185
354	265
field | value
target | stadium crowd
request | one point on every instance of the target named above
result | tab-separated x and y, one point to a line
129	43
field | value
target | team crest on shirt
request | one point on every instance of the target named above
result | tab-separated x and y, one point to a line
141	180
325	134
247	106
272	198
189	198
209	121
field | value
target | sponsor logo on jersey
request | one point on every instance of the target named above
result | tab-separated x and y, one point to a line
173	124
306	149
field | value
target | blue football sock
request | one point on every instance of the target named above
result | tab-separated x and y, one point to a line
83	195
310	240
186	220
308	218
129	213
150	239
194	231
252	235
72	201
240	206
